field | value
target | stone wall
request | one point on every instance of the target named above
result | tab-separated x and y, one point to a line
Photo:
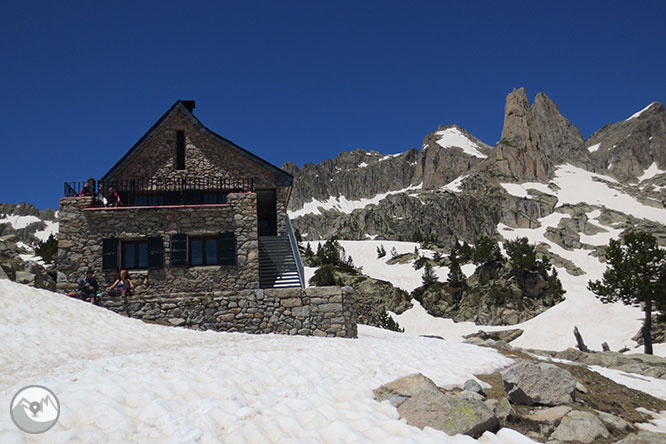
318	311
83	229
205	155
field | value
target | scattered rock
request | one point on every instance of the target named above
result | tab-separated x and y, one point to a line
543	383
503	409
580	426
473	386
615	421
581	388
550	415
644	437
500	335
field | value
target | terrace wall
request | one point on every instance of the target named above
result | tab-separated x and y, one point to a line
318	311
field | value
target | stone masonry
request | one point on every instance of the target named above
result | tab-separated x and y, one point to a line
318	311
82	230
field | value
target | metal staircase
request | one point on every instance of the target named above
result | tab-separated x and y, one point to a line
277	265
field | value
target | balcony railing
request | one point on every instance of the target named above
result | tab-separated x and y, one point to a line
158	191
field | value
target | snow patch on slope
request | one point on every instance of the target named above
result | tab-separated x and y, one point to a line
455	185
343	205
636	115
650	172
452	137
594	147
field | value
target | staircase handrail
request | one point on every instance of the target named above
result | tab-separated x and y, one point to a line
296	252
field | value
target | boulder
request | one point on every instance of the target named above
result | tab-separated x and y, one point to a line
473	386
422	404
25	277
449	413
580	426
543	383
397	391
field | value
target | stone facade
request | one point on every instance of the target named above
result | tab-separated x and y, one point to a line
318	311
82	230
206	155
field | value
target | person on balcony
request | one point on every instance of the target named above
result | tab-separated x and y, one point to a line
89	188
113	198
88	287
123	285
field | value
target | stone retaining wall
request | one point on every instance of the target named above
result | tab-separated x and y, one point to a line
318	311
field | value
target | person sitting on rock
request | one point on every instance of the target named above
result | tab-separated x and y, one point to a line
123	285
89	188
88	287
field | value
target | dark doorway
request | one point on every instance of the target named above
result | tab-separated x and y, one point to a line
266	213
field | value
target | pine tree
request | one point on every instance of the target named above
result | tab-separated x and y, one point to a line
455	278
381	252
429	277
636	274
486	250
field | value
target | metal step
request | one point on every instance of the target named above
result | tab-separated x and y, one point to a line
277	266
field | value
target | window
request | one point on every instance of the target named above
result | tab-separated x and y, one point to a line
180	150
143	253
203	251
135	254
197	251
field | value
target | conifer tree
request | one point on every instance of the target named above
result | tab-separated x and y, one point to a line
429	277
455	278
636	274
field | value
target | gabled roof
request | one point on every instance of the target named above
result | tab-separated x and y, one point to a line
186	106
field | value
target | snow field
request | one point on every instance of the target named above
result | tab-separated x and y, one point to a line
120	380
344	205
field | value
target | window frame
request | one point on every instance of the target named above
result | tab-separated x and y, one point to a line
136	243
204	257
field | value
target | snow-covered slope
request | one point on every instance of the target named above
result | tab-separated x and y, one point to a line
120	380
615	324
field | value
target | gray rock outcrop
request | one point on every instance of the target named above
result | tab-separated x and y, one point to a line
546	384
629	147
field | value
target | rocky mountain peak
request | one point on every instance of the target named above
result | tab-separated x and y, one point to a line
634	147
449	152
534	139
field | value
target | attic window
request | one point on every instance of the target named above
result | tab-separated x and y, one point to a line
180	150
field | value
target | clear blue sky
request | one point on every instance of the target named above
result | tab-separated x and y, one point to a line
302	81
